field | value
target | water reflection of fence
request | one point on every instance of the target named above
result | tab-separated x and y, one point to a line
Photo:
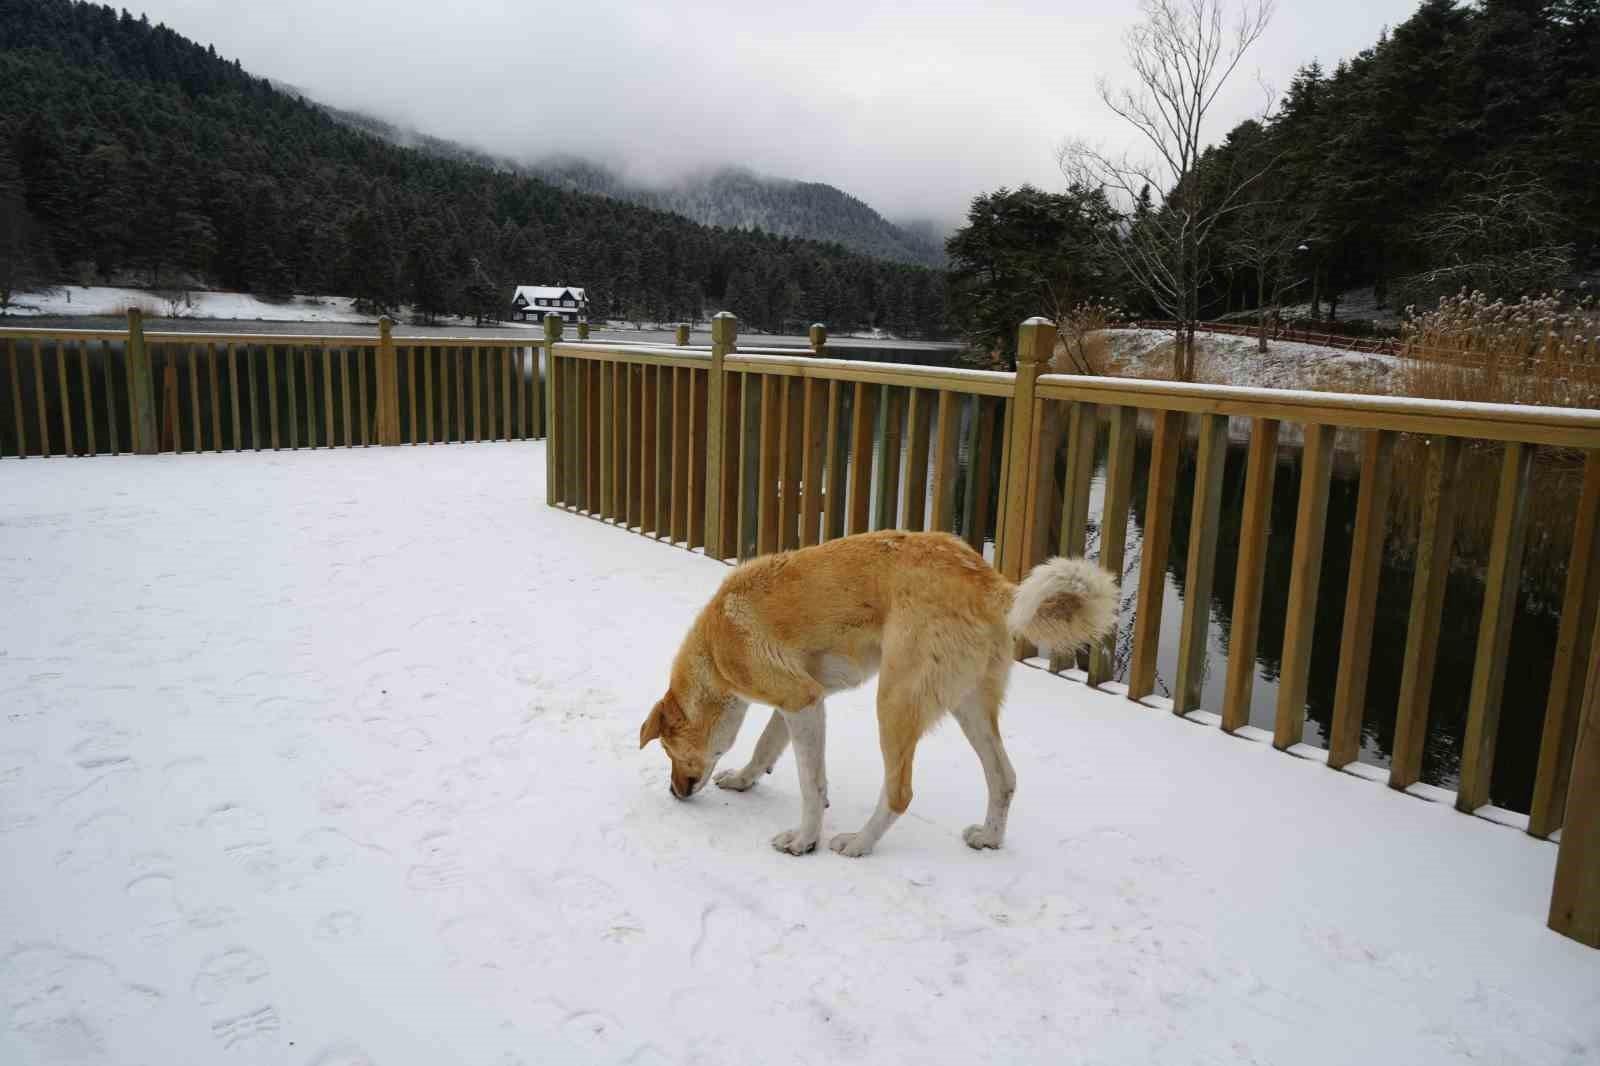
745	451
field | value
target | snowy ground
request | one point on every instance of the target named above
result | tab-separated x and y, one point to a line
1226	359
112	300
331	759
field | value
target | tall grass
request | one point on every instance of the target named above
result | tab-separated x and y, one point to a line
1533	351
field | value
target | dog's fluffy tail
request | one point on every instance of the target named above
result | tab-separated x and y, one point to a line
1064	604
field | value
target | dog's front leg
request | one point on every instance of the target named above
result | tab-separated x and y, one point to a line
768	749
808	733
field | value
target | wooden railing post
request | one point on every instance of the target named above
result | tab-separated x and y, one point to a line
554	425
1575	898
141	387
818	334
1035	343
583	331
388	385
724	338
680	335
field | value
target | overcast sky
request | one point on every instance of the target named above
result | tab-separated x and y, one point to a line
913	106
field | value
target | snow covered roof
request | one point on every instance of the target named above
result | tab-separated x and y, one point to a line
534	293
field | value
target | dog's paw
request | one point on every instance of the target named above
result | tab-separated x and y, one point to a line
981	836
733	780
851	845
795	842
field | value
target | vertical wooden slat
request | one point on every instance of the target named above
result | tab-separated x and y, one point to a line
514	382
508	393
1082	429
491	374
1427	606
88	397
1042	437
250	386
272	394
647	451
592	423
13	357
748	532
413	369
632	424
1159	498
216	398
344	392
1494	628
289	389
270	354
767	480
607	422
986	414
197	438
946	461
308	373
1580	604
233	395
1361	597
474	395
67	440
38	396
919	421
618	431
813	429
171	409
111	399
366	429
664	411
1200	568
889	458
680	454
327	397
1120	456
861	423
537	384
426	358
833	509
699	429
1575	895
1305	580
728	462
791	462
458	359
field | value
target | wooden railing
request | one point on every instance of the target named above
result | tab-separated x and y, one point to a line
88	392
744	451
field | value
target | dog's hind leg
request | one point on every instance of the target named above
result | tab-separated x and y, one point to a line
774	739
979	715
808	730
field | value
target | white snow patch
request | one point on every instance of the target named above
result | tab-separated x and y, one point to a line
332	757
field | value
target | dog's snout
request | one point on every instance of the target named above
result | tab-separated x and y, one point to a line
686	791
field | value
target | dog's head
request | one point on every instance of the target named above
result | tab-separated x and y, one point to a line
696	730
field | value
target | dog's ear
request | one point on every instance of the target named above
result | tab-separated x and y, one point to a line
652	726
665	716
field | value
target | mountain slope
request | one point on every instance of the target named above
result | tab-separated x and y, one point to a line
739	198
730	197
135	153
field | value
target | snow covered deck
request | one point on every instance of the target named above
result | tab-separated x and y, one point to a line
331	759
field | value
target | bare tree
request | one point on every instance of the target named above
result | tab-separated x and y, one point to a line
1182	53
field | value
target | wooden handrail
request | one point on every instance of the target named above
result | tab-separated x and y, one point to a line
1561	426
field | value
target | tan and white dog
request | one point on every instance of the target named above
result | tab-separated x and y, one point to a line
922	610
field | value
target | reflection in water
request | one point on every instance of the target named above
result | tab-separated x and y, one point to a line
1532	642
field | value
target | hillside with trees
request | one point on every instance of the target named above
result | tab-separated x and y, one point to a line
1457	153
129	152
